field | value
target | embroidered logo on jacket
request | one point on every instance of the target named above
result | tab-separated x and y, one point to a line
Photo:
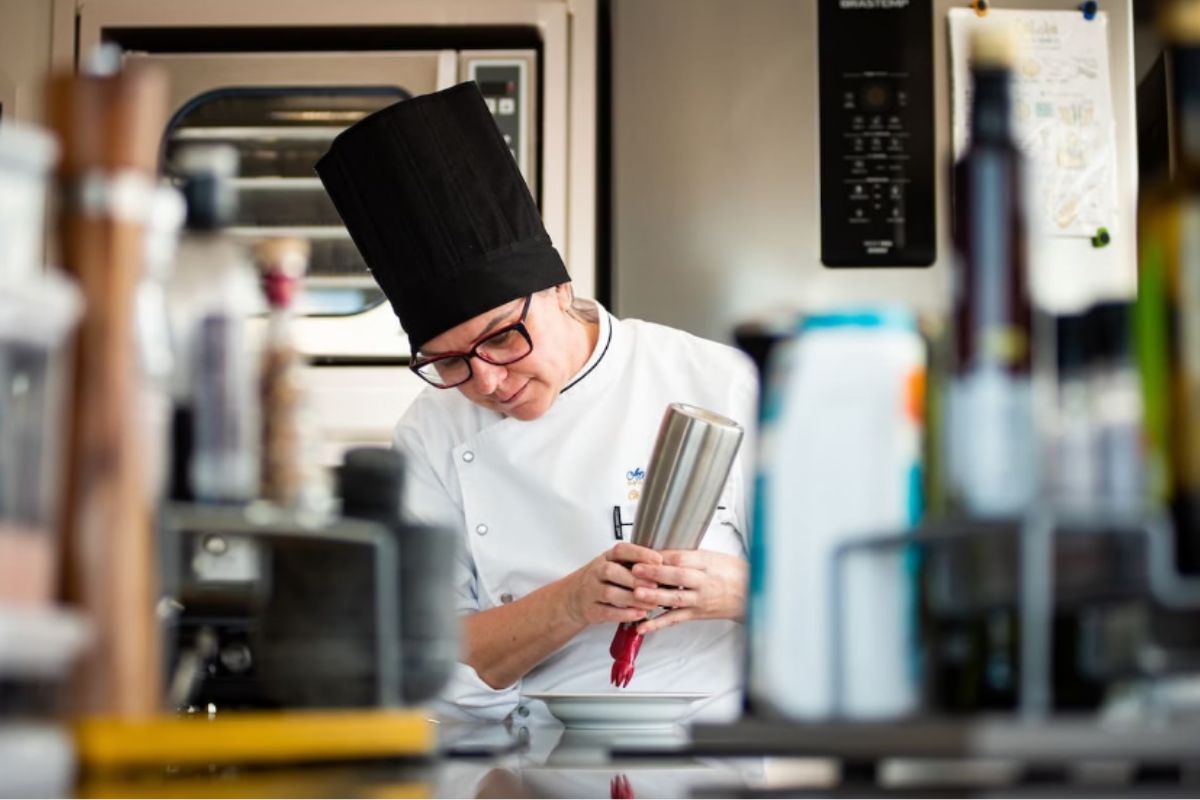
634	478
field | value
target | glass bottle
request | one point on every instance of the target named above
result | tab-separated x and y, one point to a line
990	433
291	473
212	294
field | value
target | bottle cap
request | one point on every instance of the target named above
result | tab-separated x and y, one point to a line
993	46
371	480
206	172
282	263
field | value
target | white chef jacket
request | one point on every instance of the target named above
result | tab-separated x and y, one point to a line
533	501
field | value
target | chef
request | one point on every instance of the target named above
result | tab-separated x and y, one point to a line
533	437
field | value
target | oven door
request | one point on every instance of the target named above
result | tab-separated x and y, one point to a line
281	111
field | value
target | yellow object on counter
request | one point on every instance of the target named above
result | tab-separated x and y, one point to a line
253	738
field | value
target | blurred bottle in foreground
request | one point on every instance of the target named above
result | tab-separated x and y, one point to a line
991	456
291	473
38	311
216	429
153	331
1168	306
1096	443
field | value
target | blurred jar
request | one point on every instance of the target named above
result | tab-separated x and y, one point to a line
38	310
26	157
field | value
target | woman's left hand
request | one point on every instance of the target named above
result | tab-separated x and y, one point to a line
693	584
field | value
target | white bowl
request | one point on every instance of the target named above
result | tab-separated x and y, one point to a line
619	710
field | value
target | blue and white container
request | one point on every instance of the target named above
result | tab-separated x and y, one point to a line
839	459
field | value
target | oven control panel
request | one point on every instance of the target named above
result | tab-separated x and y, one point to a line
504	80
877	133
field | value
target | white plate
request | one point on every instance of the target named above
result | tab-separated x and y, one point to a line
619	710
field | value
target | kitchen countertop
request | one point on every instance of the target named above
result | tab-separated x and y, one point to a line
550	761
750	758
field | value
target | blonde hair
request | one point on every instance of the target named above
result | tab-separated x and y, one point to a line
580	310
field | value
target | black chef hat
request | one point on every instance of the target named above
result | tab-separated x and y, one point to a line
436	205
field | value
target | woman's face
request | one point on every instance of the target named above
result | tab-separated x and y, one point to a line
527	388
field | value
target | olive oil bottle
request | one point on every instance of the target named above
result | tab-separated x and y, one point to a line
989	411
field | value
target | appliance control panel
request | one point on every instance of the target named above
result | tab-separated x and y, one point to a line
877	133
504	81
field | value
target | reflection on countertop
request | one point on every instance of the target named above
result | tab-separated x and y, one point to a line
551	761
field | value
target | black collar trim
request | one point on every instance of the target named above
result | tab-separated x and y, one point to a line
596	363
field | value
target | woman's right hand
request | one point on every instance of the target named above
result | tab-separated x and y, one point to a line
601	591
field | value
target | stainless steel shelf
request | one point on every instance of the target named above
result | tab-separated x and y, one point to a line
363	281
258	132
277	183
301	231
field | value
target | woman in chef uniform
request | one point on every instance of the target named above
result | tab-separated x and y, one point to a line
533	439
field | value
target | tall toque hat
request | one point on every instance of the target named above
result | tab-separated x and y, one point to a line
439	210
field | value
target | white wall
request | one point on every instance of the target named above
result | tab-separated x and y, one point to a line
715	163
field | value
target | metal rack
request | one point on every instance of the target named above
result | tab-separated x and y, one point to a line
1044	748
1036	535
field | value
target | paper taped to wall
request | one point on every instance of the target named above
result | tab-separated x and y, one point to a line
1062	113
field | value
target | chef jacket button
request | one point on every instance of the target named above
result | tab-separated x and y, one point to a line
506	598
523	711
468	456
481	529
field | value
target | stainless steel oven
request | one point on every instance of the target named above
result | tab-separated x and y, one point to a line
279	80
281	111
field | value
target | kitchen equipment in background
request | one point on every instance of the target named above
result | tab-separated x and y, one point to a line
721	182
839	459
693	454
280	111
272	610
506	80
877	134
371	483
108	128
280	81
418	45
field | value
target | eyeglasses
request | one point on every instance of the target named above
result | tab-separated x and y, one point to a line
500	348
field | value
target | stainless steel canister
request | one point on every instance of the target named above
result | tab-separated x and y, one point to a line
692	457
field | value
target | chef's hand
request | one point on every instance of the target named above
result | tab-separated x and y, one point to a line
693	584
602	590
